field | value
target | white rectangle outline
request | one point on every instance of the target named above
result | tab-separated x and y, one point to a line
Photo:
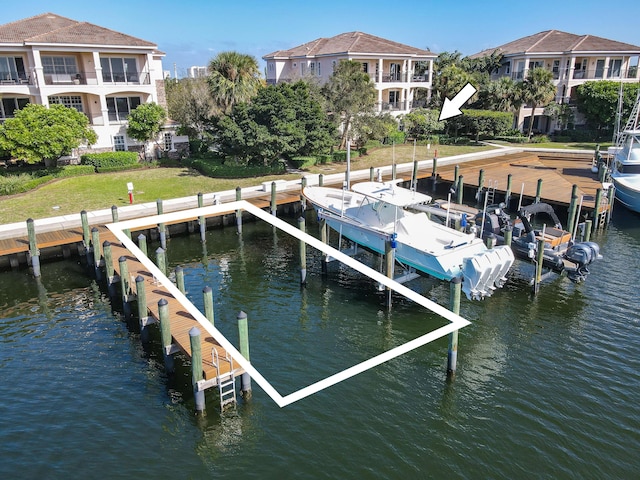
457	321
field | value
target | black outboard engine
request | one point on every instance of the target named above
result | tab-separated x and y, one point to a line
582	254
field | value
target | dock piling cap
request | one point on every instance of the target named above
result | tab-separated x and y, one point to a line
242	315
194	332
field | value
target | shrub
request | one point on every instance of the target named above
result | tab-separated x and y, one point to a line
109	159
119	168
340	156
218	170
324	158
540	139
303	162
75	171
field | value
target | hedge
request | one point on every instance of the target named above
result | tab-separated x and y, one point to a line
340	156
324	158
303	162
109	159
215	169
75	171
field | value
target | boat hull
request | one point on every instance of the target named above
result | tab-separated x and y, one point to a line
628	191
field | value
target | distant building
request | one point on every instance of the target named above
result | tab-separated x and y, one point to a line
49	59
398	71
197	72
573	60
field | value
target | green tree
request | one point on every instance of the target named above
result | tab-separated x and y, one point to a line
482	123
537	90
189	103
282	121
598	101
145	122
562	113
349	92
449	81
233	78
37	133
370	126
421	123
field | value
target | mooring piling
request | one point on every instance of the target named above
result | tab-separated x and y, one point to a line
162	230
34	253
539	191
165	333
460	190
507	196
161	260
303	200
202	220
196	368
239	211
180	279
274	205
207	293
455	287
114	213
572	208
539	261
86	236
480	187
108	267
243	330
124	285
95	247
434	172
303	252
371	174
324	238
142	244
597	210
143	317
321	180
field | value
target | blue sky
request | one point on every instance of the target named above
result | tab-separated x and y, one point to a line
192	32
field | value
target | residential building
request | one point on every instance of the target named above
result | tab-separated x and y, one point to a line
573	60
398	71
49	59
197	72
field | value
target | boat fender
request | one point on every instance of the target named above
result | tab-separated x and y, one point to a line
394	241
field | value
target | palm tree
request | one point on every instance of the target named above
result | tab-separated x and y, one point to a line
538	90
233	77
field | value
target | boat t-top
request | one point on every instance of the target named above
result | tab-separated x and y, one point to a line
625	172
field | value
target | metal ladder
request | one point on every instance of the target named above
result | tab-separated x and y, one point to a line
226	382
632	124
491	192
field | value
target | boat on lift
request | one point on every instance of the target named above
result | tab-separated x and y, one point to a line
374	214
625	171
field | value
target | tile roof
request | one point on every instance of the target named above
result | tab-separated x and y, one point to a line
49	28
551	41
349	43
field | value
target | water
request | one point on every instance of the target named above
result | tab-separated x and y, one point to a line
545	388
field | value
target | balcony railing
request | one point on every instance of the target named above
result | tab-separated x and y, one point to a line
402	78
588	74
12	79
90	78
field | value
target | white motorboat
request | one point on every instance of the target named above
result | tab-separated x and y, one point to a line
625	172
374	214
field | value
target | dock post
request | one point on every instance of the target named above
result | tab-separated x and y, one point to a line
610	202
95	245
207	293
460	190
303	200
507	196
434	171
414	176
34	253
142	244
597	210
455	288
239	212
572	208
456	174
243	330
539	190
161	260
114	213
165	332
539	259
200	200
162	229
196	368
124	285
108	266
303	252
321	180
324	238
141	296
587	230
180	279
274	205
393	171
372	174
508	235
202	220
86	236
389	257
480	187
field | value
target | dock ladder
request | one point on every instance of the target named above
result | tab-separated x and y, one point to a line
227	381
491	192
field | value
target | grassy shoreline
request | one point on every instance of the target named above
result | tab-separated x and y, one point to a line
95	192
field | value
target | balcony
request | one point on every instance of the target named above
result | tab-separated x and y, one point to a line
12	79
90	78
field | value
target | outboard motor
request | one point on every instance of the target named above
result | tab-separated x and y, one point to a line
582	254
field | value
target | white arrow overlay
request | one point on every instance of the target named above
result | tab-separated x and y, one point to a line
451	108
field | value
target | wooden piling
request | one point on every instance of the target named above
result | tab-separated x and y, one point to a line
597	210
142	244
243	330
371	174
124	285
196	368
95	245
321	180
165	333
238	212
324	238
508	235
303	252
143	317
180	279
539	190
587	230
414	176
114	213
162	230
86	236
507	197
460	190
455	287
456	174
161	260
539	260
207	293
34	253
389	257
303	200
434	173
274	206
108	261
573	203
480	187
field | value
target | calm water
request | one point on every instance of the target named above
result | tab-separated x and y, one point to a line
546	387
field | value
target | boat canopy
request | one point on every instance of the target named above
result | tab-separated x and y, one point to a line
388	192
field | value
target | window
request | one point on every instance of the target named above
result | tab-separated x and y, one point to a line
119	143
303	68
167	141
69	101
599	68
536	64
365	67
12	69
119	70
120	107
615	67
59	65
312	68
9	105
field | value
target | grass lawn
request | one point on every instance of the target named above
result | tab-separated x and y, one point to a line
99	191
